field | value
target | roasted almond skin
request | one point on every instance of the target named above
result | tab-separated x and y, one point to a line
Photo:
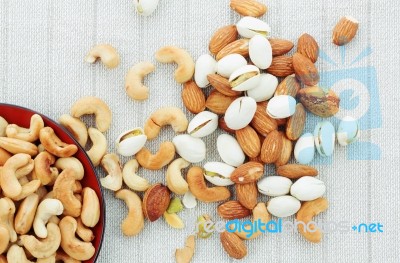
272	147
193	97
286	153
296	123
295	171
232	210
218	102
305	70
240	46
222	85
248	7
344	31
247	194
321	103
281	66
222	37
249	141
222	125
262	122
280	46
308	46
156	201
289	86
247	173
233	245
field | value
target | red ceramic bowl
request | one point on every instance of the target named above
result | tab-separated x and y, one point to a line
22	116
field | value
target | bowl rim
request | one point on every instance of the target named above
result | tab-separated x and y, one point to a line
87	156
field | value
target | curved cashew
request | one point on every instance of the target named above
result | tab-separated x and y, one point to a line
77	187
306	213
70	244
90	207
3	127
16	254
164	156
26	213
7	211
54	145
99	147
5	239
131	179
134	78
41	192
43	171
93	105
165	116
106	53
260	212
86	234
199	189
111	165
63	257
46	247
46	209
175	182
41	148
25	170
29	135
184	255
16	146
76	127
23	180
71	163
54	219
4	156
28	189
63	191
134	222
171	54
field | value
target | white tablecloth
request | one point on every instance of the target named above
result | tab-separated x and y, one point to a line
42	46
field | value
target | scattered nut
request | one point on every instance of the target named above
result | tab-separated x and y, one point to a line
156	201
134	222
164	156
184	255
99	147
175	182
306	213
111	165
76	127
131	179
106	53
165	116
233	245
134	78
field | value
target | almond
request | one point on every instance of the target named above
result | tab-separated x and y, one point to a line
247	173
193	97
286	153
295	171
345	30
307	46
218	102
232	210
281	66
248	7
318	101
222	85
280	46
247	194
222	37
240	46
289	86
296	123
272	147
262	122
155	201
305	70
233	245
222	125
249	141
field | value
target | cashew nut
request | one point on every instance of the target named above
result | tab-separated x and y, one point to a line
306	213
99	147
43	171
46	209
25	170
45	247
175	182
71	163
4	239
50	259
199	189
77	187
16	254
165	116
26	213
29	135
134	78
93	105
63	257
23	180
76	127
86	234
27	189
54	145
90	207
41	192
131	179
184	255
171	54
7	210
4	156
134	222
16	146
63	191
111	165
3	127
106	53
70	244
41	147
164	156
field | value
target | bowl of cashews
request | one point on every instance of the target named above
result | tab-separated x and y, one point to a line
51	204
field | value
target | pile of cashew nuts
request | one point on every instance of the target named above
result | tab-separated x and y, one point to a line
46	215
